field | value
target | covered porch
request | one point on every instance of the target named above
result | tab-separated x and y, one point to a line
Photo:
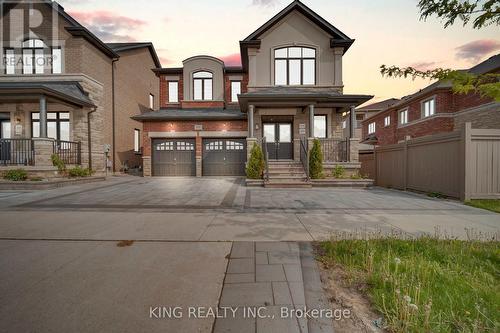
39	119
286	120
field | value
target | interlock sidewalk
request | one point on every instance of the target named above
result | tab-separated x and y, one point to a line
270	276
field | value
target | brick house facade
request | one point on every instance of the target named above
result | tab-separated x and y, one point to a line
79	98
449	112
290	83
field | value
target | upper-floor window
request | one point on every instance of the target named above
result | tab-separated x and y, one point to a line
151	101
137	140
173	92
235	90
294	66
387	121
10	61
429	107
403	117
33	57
202	86
56	60
371	128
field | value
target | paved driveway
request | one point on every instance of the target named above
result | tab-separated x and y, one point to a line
63	271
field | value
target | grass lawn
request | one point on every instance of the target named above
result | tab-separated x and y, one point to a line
424	285
490	204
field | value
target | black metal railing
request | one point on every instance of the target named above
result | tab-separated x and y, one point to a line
304	156
17	152
266	158
334	150
70	152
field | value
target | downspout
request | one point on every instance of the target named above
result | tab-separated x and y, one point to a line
89	136
113	131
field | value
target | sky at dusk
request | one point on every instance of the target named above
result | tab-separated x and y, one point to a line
386	32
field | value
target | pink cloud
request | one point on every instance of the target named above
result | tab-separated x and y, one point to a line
109	26
476	50
424	65
231	59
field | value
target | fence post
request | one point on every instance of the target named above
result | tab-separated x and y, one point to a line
466	141
79	152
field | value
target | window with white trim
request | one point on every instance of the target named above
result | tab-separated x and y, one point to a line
137	140
387	121
151	101
56	60
235	90
403	117
294	66
33	57
173	91
320	126
429	107
202	86
10	62
371	128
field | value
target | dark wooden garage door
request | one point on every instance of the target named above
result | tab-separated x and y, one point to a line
224	157
174	157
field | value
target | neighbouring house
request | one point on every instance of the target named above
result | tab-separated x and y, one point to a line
288	91
64	91
434	109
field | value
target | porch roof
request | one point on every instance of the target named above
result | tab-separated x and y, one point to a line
299	97
191	114
70	92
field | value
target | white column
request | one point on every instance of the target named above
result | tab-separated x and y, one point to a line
43	116
251	126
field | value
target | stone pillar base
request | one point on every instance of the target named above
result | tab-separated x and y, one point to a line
354	150
296	150
199	166
44	148
146	166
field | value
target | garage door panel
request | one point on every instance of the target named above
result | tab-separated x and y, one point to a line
174	157
224	157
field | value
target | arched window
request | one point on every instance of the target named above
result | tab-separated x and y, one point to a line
33	57
294	66
202	86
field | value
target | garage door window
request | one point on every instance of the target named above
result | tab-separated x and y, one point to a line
215	145
232	145
183	145
165	146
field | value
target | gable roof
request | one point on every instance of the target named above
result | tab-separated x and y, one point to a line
489	65
124	47
307	12
382	105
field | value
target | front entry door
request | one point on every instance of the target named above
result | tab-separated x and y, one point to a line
279	140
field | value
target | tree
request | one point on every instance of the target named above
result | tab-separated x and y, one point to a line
316	161
256	164
486	12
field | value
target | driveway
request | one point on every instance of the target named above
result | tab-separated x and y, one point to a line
62	268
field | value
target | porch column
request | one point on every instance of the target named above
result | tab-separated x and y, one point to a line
352	122
311	121
251	110
43	116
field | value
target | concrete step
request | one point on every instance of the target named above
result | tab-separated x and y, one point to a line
282	184
288	177
286	169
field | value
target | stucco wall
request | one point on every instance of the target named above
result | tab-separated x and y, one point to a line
204	63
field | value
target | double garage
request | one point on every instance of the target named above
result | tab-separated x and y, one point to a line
220	157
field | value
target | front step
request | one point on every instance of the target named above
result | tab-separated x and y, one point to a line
287	174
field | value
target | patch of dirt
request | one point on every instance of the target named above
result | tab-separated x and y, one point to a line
345	295
125	243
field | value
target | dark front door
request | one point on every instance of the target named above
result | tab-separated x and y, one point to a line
279	140
174	157
224	157
5	134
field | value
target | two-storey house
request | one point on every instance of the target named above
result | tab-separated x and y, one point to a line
288	91
64	91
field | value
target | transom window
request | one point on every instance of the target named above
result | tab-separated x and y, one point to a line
214	145
183	145
169	145
371	128
233	145
294	66
202	86
429	107
57	125
320	126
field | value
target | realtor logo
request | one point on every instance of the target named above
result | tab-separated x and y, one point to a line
30	37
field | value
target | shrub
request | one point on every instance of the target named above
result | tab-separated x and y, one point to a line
316	161
57	162
16	175
78	171
338	171
256	164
